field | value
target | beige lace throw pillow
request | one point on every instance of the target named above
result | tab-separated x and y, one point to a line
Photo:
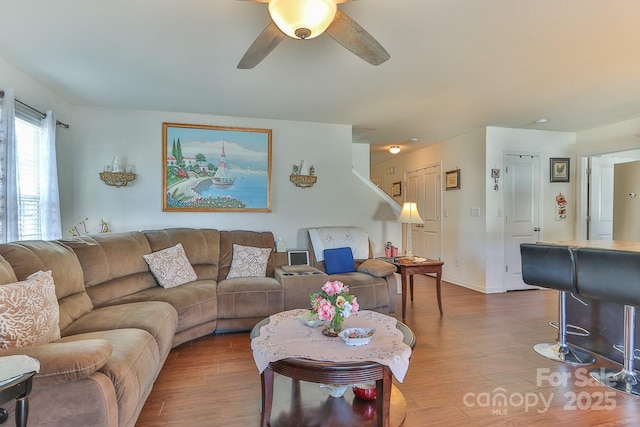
248	261
29	312
171	267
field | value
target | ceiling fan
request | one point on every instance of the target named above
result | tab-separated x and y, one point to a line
306	19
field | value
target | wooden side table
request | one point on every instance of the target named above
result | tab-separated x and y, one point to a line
407	270
18	388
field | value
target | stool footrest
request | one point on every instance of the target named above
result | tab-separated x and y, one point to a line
572	329
620	348
564	353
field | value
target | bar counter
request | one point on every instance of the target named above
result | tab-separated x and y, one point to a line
604	320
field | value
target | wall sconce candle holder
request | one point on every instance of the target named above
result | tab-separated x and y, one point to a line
117	179
303	181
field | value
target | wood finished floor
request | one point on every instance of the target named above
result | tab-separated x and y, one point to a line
479	349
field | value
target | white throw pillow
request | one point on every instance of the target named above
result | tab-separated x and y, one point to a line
29	312
171	267
248	261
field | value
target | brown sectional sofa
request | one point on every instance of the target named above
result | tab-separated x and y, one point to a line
118	325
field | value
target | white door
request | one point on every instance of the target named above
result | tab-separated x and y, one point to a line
423	187
600	223
521	213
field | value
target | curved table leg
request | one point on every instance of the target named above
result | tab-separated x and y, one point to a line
22	411
267	395
383	401
404	277
438	291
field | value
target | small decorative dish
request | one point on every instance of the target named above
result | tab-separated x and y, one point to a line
310	319
356	336
335	390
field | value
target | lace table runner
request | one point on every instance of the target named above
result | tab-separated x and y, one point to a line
286	337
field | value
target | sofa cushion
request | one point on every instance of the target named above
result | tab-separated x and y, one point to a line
6	272
27	257
257	239
202	247
248	261
155	317
62	362
171	267
377	267
132	368
372	292
112	264
339	260
29	312
249	297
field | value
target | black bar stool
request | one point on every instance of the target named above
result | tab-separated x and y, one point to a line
554	267
614	276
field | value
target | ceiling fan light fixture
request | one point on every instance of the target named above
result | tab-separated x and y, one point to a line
302	19
395	149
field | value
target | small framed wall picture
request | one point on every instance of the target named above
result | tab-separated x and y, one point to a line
396	189
452	180
559	169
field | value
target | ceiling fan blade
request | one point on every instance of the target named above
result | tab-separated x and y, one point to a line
352	36
262	46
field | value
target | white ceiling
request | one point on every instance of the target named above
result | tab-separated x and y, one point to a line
456	65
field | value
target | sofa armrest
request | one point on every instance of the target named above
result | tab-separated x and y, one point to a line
377	268
62	362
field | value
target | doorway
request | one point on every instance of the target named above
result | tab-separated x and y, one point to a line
597	212
521	213
423	187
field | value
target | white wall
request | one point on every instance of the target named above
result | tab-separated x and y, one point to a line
98	134
361	158
613	138
609	139
472	247
463	235
338	198
546	144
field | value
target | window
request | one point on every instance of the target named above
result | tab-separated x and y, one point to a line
28	148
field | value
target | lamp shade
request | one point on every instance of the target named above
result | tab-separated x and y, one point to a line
410	214
302	19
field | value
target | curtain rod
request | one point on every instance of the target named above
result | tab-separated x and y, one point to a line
43	115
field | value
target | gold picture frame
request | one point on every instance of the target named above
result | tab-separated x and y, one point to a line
452	180
396	189
215	168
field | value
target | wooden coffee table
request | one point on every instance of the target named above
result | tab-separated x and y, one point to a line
389	399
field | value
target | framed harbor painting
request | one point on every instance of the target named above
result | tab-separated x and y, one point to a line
215	169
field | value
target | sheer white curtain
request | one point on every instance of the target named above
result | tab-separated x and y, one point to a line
8	169
49	199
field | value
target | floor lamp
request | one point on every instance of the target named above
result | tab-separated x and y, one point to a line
409	215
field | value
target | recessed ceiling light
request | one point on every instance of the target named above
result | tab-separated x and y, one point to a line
541	121
395	149
413	140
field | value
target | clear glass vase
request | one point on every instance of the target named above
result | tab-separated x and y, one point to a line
335	326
